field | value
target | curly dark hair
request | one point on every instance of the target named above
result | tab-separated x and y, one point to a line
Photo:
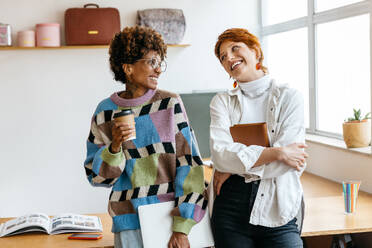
132	44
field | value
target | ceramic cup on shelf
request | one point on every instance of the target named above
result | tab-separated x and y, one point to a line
48	35
26	38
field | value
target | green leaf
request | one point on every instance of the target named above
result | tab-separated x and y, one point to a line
357	114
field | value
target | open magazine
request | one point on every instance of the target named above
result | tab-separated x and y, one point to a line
64	223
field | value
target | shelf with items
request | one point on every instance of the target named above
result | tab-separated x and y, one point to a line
75	47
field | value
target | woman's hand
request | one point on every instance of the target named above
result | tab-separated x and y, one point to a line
293	155
178	240
120	132
218	179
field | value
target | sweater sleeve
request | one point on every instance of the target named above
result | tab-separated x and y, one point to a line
227	155
102	167
189	182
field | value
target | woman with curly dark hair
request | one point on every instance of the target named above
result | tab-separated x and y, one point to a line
162	163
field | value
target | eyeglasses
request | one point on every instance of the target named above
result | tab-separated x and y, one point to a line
154	63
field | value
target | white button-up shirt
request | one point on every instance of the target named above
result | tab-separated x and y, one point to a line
280	192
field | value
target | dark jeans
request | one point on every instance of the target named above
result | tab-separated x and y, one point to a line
230	220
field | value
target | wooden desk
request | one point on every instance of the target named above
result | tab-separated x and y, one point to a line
38	240
325	216
324	209
316	186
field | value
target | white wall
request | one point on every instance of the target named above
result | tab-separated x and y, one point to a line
339	164
47	97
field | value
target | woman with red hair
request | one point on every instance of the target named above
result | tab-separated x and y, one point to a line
258	190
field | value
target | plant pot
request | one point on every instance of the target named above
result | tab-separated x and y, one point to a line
357	134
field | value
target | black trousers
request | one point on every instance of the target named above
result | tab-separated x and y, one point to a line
230	220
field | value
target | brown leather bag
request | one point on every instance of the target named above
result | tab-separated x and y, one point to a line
91	26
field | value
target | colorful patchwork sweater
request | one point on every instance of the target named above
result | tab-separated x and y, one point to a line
161	164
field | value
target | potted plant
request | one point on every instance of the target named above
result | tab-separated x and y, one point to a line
357	130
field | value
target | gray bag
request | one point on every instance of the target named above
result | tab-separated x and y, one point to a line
170	23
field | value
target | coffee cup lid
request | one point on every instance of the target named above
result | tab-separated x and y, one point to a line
123	113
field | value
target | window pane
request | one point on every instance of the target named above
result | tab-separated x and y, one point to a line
322	5
287	60
343	71
275	11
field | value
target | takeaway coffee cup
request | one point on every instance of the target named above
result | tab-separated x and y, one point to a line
126	116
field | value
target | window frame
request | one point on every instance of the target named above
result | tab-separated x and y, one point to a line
313	18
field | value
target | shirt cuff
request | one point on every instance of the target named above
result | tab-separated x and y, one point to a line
249	156
113	159
255	173
182	225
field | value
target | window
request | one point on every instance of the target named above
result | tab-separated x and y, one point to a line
343	70
329	51
283	10
292	46
322	5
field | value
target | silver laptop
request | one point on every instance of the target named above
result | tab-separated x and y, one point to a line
156	227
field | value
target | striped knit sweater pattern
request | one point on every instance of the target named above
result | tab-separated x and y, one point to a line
162	164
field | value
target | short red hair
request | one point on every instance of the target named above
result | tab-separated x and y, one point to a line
241	35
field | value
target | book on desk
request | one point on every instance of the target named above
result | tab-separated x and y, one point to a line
39	222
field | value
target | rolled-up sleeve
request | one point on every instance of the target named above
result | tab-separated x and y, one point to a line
227	155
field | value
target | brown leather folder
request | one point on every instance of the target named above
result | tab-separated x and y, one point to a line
251	134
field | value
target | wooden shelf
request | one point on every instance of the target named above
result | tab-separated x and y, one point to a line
76	47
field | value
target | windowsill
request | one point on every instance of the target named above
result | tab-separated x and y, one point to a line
336	143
